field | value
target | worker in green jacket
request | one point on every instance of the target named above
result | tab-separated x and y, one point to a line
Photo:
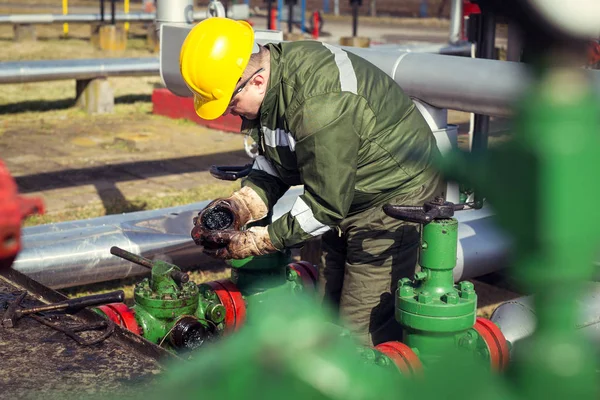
333	122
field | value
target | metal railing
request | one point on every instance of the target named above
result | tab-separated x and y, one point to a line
52	70
235	11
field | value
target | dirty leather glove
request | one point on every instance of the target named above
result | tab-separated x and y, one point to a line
244	205
229	244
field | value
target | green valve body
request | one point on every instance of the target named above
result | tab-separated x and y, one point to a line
160	305
434	312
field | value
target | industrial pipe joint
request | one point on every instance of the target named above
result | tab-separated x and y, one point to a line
179	315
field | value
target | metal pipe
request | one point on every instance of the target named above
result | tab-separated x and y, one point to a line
456	9
174	12
78	252
456	83
517	318
235	11
48	70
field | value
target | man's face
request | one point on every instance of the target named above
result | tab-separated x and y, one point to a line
248	96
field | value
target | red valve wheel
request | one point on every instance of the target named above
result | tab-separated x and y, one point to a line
307	272
495	341
232	300
403	356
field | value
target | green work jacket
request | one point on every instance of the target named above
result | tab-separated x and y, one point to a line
340	126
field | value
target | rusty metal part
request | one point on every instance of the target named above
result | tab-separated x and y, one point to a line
8	317
71	331
13	313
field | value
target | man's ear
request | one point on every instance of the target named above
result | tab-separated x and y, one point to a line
260	82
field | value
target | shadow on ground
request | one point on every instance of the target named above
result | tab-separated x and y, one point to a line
62	104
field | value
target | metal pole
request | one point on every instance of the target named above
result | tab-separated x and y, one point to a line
102	11
279	13
302	15
269	11
65	4
290	15
456	11
112	12
485	49
126	9
354	18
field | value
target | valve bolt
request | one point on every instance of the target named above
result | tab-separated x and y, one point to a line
450	298
424	297
407	291
467	291
216	313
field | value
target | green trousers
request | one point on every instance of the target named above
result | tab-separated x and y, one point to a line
362	261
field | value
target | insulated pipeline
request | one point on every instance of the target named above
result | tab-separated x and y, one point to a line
78	252
517	318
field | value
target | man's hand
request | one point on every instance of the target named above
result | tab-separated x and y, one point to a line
241	207
237	244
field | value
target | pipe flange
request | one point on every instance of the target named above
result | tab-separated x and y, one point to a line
403	356
121	315
307	272
497	346
232	300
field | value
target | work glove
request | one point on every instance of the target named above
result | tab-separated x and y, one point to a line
229	244
235	211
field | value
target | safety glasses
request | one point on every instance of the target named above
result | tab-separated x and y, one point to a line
243	85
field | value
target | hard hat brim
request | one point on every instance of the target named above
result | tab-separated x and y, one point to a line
211	109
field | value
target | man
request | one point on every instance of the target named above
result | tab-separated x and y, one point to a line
329	120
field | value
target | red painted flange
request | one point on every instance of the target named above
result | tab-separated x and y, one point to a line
122	315
495	341
308	273
403	356
232	300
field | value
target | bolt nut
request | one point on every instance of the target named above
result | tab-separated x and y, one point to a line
466	285
424	297
450	298
407	291
215	313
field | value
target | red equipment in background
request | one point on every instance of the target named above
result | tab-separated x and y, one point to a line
13	210
468	9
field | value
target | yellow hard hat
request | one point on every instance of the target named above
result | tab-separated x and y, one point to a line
213	58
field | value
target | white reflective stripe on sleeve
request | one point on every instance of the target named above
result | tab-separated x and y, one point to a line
279	137
262	164
309	224
348	80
